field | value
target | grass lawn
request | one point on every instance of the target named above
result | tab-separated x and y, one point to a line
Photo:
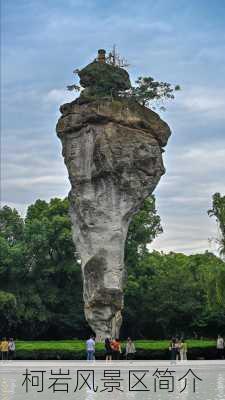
76	349
79	345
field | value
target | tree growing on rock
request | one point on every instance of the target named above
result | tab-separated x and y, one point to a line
148	90
104	77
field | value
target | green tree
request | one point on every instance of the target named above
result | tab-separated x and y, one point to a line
41	282
110	79
40	268
143	229
171	294
148	92
54	265
48	232
11	224
7	311
218	211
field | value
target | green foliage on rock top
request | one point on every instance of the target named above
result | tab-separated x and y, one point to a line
104	79
108	80
148	91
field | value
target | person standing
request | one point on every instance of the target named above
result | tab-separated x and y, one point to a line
116	347
108	350
220	347
177	347
12	349
183	350
4	349
173	350
90	348
130	349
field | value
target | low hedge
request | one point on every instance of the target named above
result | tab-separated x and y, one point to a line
75	350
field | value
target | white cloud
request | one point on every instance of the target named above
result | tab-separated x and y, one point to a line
38	180
209	158
208	102
187	234
60	96
185	194
48	42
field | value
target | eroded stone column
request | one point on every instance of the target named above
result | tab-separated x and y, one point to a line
113	154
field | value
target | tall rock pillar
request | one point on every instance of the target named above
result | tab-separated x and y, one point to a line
112	148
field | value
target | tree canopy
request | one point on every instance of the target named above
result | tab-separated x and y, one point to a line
218	211
41	283
148	91
109	79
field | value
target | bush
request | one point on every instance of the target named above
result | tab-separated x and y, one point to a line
75	350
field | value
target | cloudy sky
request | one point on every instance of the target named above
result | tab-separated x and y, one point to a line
178	41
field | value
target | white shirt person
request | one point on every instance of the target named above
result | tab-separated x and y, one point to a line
90	348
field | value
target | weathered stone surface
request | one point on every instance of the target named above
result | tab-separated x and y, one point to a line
113	153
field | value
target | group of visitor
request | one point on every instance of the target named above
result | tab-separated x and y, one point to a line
178	349
113	349
8	349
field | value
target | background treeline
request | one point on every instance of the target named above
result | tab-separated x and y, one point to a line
41	284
